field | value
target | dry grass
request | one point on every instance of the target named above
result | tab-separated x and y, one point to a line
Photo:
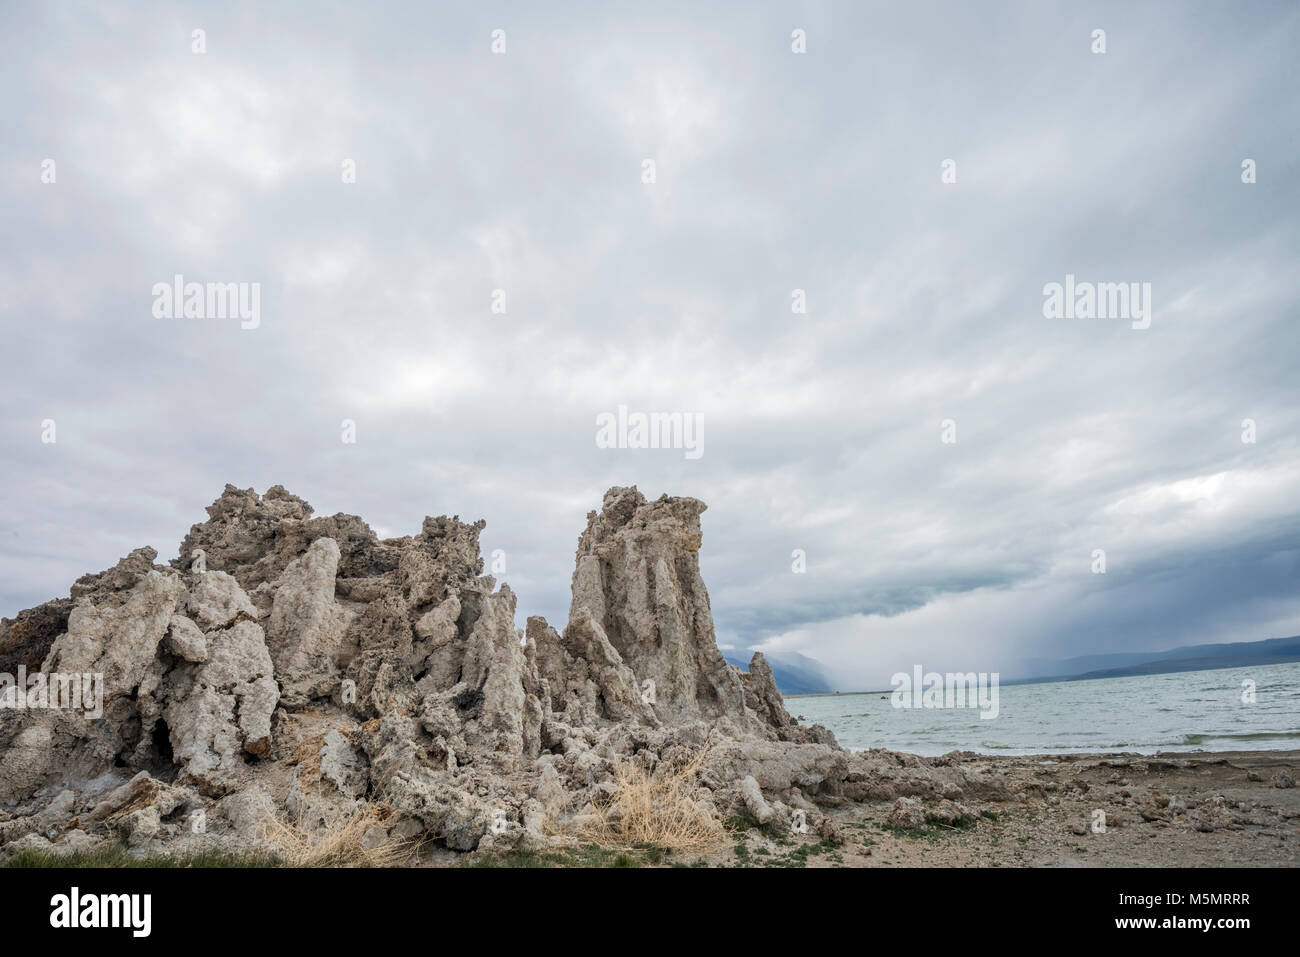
144	792
337	846
655	809
306	755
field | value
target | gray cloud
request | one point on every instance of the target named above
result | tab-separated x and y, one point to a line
775	172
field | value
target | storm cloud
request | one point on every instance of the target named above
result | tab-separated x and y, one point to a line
516	179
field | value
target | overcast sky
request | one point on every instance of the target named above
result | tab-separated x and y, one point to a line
774	171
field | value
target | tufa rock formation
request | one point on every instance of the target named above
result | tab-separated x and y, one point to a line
301	667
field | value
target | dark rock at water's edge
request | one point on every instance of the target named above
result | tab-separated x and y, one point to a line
794	673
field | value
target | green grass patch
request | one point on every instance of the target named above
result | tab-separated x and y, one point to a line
962	825
930	834
589	855
740	823
117	856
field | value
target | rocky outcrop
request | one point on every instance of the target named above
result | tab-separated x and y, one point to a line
107	654
116	631
586	679
307	627
638	578
221	709
765	701
293	665
25	640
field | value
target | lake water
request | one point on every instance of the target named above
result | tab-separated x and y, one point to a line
1189	711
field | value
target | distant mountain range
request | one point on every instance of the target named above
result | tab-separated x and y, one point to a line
1239	654
794	673
799	674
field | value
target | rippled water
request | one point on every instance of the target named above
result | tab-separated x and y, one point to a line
1190	711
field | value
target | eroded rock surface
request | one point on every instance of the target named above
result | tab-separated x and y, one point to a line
300	667
638	578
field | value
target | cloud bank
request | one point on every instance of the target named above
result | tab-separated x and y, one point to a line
486	180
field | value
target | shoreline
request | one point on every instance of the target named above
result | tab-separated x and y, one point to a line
1116	809
1065	756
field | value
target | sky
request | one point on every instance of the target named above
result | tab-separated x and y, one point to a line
950	460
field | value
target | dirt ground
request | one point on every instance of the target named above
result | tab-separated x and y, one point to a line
1204	809
1112	810
1182	810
